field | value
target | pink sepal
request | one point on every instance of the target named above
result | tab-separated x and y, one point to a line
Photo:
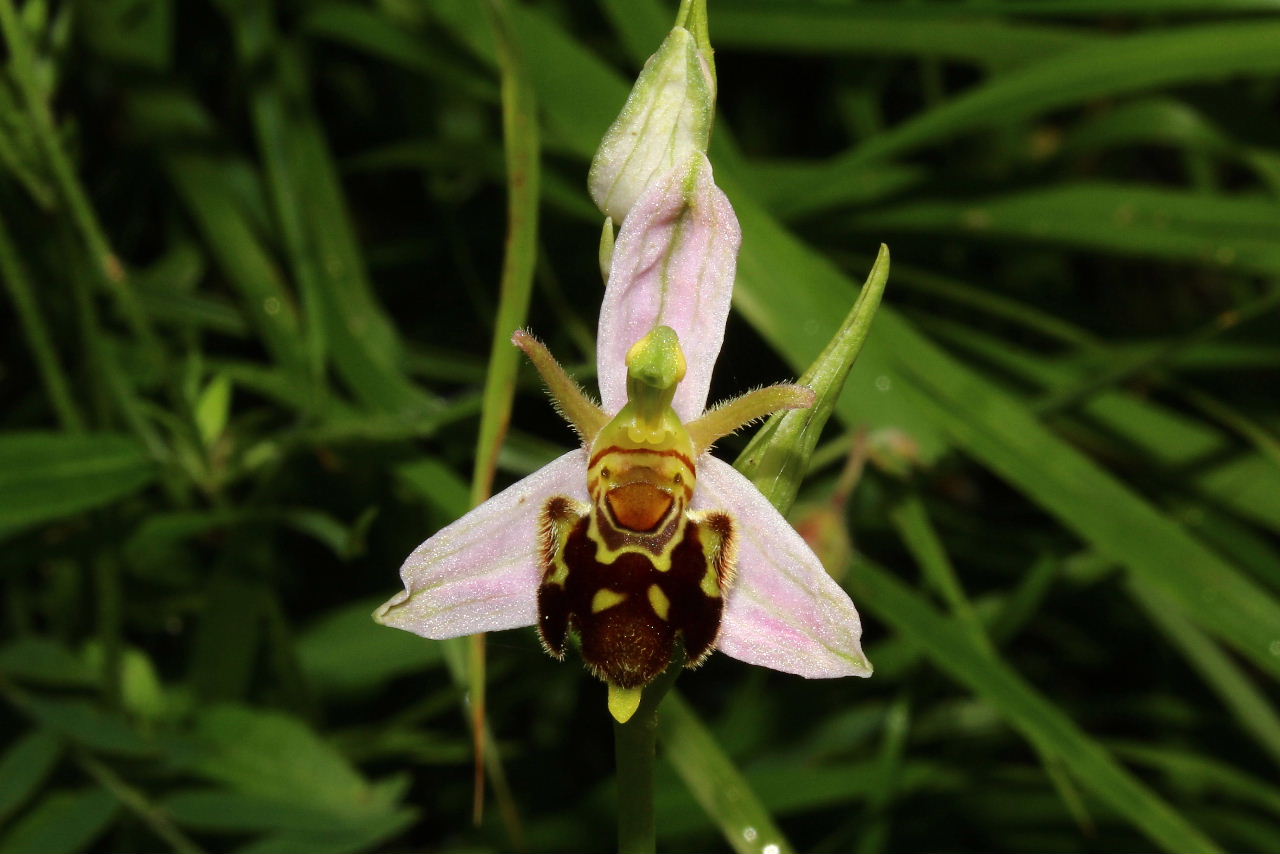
673	264
784	611
481	573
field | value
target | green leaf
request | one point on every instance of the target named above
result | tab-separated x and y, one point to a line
63	822
786	787
715	782
1158	120
933	31
1214	231
1197	770
343	317
953	651
131	32
345	652
521	145
795	320
88	725
368	30
345	841
45	662
223	195
1136	63
282	778
273	756
223	811
438	485
1227	679
1244	482
141	693
786	188
24	767
1119	523
47	476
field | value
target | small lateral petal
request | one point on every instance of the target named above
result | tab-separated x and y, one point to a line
783	611
732	415
673	264
481	573
566	395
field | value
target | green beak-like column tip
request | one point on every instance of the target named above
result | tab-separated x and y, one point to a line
655	366
656	360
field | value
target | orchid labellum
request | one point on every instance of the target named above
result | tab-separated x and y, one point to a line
641	537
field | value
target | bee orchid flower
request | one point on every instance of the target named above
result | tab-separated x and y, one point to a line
640	537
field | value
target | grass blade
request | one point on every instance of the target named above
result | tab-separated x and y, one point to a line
1249	705
1175	225
1136	63
37	333
715	782
818	29
953	651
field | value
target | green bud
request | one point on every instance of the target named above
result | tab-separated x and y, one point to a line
665	121
777	458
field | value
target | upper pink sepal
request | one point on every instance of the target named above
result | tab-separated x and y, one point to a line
673	264
481	573
783	611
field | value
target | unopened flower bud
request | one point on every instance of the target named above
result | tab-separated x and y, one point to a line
667	118
894	452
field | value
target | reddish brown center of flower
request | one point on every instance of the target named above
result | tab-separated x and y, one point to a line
639	506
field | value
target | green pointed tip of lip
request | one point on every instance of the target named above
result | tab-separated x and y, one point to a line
623	702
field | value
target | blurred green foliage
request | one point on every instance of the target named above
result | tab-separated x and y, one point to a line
251	254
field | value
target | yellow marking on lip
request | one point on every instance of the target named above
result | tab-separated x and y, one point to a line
660	559
606	599
620	453
661	604
710	581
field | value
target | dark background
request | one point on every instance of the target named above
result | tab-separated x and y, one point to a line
252	253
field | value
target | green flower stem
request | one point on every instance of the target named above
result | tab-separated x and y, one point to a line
33	326
633	744
521	143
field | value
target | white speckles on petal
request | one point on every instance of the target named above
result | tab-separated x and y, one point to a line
784	611
481	573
